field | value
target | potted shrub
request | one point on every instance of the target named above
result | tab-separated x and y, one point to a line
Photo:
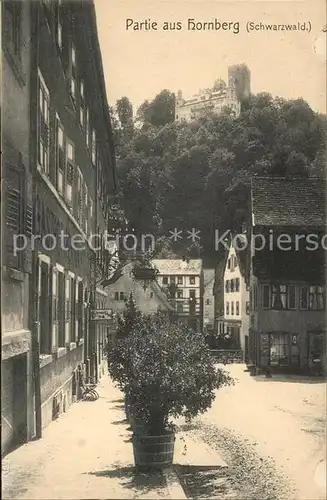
170	374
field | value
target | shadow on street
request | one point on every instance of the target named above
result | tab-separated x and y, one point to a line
140	481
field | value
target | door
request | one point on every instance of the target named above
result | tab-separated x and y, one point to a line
13	403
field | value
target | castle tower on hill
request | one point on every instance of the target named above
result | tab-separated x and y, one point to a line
237	90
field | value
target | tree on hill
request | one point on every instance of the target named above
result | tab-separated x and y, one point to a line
197	174
158	112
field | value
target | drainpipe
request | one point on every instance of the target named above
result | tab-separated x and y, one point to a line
33	290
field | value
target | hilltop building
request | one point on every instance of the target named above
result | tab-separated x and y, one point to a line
238	88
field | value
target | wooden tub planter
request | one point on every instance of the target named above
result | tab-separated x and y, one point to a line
153	451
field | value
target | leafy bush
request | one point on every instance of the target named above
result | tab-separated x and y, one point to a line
166	370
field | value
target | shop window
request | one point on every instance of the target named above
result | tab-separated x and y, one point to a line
279	348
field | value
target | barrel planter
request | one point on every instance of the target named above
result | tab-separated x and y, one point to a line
136	424
153	451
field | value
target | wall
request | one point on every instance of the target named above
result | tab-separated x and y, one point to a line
15	130
146	300
56	377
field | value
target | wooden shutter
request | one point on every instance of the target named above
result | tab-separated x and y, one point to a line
13	203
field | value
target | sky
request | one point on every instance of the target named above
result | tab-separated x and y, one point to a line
140	63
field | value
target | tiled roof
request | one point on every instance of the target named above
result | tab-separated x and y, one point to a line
178	266
290	202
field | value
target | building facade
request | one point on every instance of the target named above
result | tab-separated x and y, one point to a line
238	88
183	282
17	415
288	275
149	298
236	298
66	142
208	300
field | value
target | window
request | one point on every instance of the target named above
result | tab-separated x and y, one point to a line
227	308
61	158
54	308
179	307
232	308
44	127
13	25
73	72
208	302
180	280
68	310
279	348
247	306
94	148
266	296
228	264
237	284
165	280
279	297
122	296
179	294
255	297
13	202
291	297
87	128
44	304
59	30
227	285
80	198
304	297
116	295
232	286
151	295
172	279
85	214
237	308
316	298
192	280
70	172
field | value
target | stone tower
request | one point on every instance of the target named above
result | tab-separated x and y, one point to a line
239	76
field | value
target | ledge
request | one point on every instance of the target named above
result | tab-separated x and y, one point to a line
15	343
45	359
61	352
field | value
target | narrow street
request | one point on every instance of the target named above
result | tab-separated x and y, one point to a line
270	432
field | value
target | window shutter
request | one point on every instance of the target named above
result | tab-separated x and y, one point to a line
28	222
13	176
